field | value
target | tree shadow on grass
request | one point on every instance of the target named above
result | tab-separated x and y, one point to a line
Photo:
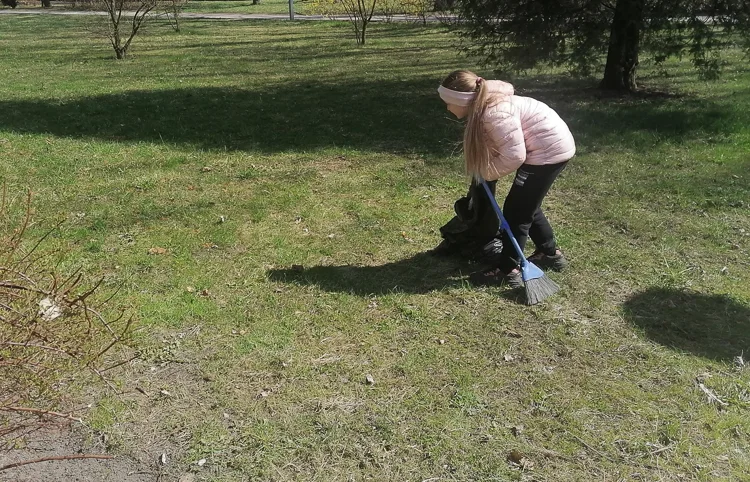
298	116
602	118
380	116
421	273
712	326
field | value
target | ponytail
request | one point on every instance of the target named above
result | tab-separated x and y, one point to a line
476	153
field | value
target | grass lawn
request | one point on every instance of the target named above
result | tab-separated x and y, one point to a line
202	6
241	6
295	182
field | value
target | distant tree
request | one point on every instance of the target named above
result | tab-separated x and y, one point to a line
124	19
173	11
9	3
522	34
359	12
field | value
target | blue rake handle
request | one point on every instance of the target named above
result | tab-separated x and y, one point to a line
529	270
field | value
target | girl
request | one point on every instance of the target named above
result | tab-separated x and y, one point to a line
506	133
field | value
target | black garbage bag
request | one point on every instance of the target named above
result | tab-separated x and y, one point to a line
473	233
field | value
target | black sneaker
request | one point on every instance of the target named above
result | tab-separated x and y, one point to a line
496	277
556	262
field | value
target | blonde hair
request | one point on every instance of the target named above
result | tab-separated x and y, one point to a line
476	153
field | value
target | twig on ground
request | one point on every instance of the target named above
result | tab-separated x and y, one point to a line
61	457
37	411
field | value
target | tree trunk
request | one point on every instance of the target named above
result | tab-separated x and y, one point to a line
624	42
46	3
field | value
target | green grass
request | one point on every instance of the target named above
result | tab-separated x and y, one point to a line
205	6
234	6
343	160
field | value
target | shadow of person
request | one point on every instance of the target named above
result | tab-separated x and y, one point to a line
420	273
712	326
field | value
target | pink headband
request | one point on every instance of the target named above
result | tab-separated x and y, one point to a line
463	99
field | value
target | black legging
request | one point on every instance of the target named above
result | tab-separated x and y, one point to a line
522	209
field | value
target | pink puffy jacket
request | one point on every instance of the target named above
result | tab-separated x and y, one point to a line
522	130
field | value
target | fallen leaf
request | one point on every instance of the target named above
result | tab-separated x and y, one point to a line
515	456
49	309
516	430
206	169
163	459
442	342
201	462
739	362
508	357
204	292
165	393
369	379
157	250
